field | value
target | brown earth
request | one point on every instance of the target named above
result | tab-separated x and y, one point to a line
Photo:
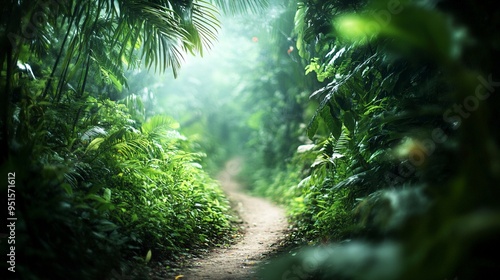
264	225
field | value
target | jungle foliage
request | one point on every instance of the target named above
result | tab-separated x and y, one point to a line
102	185
401	169
373	122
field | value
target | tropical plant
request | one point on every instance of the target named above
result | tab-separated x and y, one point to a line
71	134
391	87
92	42
154	182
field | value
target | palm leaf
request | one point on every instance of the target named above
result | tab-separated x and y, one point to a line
205	24
240	6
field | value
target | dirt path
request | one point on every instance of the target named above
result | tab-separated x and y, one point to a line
264	223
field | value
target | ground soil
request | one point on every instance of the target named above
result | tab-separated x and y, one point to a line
264	225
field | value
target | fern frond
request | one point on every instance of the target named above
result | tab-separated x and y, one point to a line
340	144
159	123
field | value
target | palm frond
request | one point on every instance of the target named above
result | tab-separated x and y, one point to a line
206	24
164	41
234	7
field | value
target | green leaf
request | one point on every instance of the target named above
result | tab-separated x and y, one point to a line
134	217
116	82
312	127
105	226
148	256
235	7
344	103
96	198
255	120
354	28
334	125
67	188
94	145
349	121
158	123
107	194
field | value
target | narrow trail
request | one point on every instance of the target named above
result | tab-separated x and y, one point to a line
264	222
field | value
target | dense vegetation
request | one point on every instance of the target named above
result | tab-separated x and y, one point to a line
373	122
102	186
402	162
